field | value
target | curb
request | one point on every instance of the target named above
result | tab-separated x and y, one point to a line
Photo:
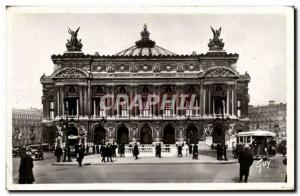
137	163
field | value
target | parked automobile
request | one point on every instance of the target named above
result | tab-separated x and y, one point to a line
36	152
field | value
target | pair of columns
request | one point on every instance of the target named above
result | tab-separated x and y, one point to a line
208	103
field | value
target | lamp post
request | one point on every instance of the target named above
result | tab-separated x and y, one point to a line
65	127
222	124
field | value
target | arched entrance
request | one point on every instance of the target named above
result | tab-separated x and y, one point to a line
99	135
146	135
122	135
169	135
72	131
192	135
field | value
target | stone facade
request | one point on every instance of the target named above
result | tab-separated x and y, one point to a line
27	127
271	117
80	80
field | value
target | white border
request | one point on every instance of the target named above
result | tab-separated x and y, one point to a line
167	186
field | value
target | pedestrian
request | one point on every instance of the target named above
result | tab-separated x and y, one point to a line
93	149
223	150
190	148
285	162
80	155
25	169
245	160
122	150
87	149
130	148
195	151
58	152
219	153
114	148
103	152
136	151
109	152
158	150
179	149
98	149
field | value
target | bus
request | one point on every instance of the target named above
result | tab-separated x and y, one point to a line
261	142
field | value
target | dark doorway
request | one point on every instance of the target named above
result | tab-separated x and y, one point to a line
99	135
146	135
192	135
218	133
169	135
123	135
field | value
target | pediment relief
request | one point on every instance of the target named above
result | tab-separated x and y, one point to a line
70	73
219	72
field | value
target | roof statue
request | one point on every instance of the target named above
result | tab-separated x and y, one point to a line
74	44
216	44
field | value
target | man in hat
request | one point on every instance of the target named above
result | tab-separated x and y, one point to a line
135	151
245	160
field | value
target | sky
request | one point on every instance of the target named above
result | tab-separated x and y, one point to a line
260	41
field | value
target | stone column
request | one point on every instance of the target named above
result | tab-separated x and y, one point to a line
57	102
209	101
62	102
204	101
80	101
77	107
232	99
213	105
200	101
227	101
113	102
94	104
89	97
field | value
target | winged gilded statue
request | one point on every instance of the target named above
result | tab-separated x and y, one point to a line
216	33
73	34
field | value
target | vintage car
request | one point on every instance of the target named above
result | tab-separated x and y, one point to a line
36	152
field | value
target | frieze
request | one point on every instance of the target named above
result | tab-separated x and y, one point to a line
180	68
111	68
133	68
156	68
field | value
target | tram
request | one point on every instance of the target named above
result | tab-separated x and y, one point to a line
261	142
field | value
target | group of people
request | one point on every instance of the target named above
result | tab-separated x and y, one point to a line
193	149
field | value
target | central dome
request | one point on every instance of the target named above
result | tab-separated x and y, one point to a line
145	47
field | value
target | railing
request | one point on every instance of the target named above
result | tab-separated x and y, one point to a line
149	151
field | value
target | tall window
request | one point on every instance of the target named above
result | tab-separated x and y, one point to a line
146	107
239	108
123	107
168	109
51	109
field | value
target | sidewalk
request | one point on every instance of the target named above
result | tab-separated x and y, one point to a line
96	160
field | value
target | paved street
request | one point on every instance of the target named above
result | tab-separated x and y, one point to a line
45	172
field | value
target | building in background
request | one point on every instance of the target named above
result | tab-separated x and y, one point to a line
27	127
72	94
271	117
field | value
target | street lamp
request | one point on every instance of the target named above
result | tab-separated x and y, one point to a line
221	125
65	129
